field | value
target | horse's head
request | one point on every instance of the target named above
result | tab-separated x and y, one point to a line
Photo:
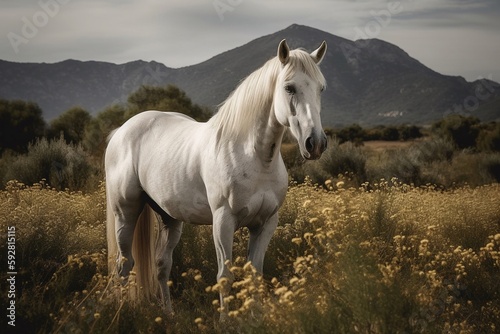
297	98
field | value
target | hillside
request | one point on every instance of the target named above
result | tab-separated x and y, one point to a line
376	83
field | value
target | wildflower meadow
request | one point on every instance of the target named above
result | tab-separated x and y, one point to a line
383	257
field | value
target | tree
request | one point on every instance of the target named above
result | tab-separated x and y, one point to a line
353	133
409	132
100	127
462	131
71	125
20	123
390	133
169	98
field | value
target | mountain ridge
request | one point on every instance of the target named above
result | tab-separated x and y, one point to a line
369	81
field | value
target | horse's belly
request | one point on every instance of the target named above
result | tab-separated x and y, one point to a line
190	207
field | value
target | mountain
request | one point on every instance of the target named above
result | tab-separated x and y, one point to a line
369	81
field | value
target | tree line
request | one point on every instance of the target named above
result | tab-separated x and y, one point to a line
68	151
22	123
463	132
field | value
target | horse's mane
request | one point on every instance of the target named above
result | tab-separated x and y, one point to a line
254	95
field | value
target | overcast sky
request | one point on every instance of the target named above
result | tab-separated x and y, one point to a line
456	37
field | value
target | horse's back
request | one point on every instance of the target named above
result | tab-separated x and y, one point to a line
138	134
142	127
159	153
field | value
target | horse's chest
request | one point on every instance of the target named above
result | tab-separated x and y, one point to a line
257	209
254	201
250	192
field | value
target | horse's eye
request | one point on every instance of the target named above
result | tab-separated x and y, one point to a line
322	89
290	89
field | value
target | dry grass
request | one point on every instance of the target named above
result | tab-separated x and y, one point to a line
374	259
382	145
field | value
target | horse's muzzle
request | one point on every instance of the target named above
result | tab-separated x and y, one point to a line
316	146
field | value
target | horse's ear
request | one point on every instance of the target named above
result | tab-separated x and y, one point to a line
283	52
319	53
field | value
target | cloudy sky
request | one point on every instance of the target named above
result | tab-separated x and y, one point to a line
456	37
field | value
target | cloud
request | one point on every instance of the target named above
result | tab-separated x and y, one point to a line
180	32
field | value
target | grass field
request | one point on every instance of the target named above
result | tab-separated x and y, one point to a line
382	145
374	259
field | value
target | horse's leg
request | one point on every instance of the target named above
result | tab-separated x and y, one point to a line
259	241
126	216
170	234
224	226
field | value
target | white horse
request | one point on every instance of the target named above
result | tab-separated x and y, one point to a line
227	172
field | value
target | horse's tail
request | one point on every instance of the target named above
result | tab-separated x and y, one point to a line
143	251
111	238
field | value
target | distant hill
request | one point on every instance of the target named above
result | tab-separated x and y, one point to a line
369	81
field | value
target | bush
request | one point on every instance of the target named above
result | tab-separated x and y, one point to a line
462	131
60	164
402	164
435	161
435	149
346	158
492	165
338	160
466	168
489	138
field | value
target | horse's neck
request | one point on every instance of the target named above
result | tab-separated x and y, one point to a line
267	138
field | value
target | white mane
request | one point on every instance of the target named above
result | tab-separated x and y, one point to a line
254	96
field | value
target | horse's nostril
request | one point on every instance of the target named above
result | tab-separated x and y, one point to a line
309	144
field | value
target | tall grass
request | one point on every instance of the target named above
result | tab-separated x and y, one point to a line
376	259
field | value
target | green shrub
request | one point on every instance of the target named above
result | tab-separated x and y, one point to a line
492	164
346	158
402	164
62	165
466	168
462	131
436	149
489	139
